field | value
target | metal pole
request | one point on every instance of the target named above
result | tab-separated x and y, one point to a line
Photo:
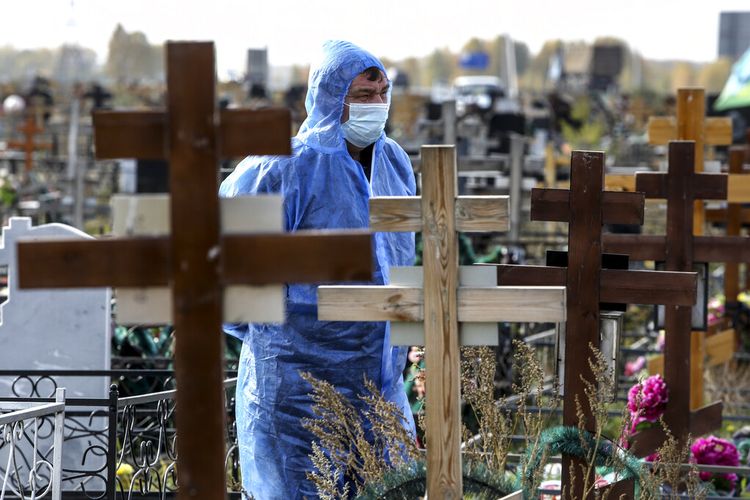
449	122
516	176
58	444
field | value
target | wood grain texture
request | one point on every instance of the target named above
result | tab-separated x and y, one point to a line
195	269
738	190
638	247
271	129
661	130
621	490
720	348
617	286
475	304
300	257
733	221
473	214
617	207
59	263
442	356
718	131
619	182
130	134
582	280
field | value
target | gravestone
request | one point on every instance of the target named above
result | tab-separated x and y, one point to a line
63	329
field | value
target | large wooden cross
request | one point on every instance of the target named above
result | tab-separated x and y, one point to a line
586	207
441	303
29	145
195	260
680	186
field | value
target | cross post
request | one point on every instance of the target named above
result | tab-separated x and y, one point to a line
586	207
195	260
30	130
681	186
441	303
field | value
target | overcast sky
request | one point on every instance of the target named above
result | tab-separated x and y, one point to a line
294	29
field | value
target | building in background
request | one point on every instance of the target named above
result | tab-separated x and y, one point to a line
734	34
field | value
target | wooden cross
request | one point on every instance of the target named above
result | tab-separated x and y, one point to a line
195	260
586	207
30	130
690	124
441	303
734	215
681	186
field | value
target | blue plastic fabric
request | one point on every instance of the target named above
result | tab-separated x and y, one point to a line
323	187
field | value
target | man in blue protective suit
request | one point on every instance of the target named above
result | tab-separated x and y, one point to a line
340	158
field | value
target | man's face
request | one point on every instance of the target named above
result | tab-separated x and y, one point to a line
366	90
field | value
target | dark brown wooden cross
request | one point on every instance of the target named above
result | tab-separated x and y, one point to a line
586	207
29	145
680	186
196	260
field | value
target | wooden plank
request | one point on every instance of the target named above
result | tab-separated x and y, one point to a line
195	269
721	214
271	129
300	257
442	356
370	303
733	221
482	213
638	247
130	134
619	182
475	304
617	286
706	187
721	249
473	214
706	419
720	347
617	207
739	188
718	131
132	262
697	368
621	490
583	281
661	129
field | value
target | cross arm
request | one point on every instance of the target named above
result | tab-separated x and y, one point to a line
662	129
721	248
116	262
637	247
475	304
143	134
552	205
617	286
705	186
299	257
473	213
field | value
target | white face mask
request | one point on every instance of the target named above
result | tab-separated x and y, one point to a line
365	124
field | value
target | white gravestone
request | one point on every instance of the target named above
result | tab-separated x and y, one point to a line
62	329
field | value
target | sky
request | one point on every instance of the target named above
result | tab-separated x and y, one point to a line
293	30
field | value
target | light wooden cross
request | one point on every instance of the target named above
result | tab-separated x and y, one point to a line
680	186
586	207
690	124
195	260
29	145
441	303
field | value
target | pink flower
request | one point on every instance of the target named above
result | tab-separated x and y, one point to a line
716	451
648	400
633	367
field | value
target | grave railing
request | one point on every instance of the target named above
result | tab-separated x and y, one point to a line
34	475
128	449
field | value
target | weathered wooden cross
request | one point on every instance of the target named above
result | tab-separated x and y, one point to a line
681	186
29	145
441	303
195	260
586	207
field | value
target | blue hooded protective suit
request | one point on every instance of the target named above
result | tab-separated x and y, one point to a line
323	187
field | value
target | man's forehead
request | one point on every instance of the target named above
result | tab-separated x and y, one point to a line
362	80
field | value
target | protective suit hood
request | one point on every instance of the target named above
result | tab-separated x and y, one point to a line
327	86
